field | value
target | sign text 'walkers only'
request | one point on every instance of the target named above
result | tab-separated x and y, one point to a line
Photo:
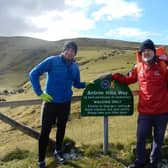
106	98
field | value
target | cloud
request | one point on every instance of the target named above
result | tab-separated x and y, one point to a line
15	14
112	9
41	18
84	4
53	20
61	24
130	33
78	16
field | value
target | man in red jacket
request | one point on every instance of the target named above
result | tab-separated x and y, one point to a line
153	103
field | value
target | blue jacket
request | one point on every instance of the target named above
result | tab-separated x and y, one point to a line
60	78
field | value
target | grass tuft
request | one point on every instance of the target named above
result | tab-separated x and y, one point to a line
17	154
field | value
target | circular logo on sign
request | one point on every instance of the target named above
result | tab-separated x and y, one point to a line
105	84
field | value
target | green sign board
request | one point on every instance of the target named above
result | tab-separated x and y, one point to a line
106	98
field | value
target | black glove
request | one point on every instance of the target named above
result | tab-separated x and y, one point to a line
105	77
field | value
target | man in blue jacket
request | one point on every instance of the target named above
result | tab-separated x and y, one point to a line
62	73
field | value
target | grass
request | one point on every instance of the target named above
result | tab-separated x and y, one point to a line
90	156
19	150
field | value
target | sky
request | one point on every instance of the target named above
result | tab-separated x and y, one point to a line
52	20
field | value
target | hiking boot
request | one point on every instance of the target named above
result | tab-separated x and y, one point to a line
59	157
134	165
41	164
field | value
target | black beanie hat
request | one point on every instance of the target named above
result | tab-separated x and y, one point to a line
70	44
147	44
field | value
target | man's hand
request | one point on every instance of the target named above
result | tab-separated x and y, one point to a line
88	83
105	77
46	97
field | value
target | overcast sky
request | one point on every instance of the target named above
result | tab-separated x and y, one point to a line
130	20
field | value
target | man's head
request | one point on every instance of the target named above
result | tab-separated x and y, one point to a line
72	45
148	51
70	49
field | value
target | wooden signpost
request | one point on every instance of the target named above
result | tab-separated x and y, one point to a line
106	98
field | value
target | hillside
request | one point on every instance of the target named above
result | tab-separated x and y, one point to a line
19	54
96	56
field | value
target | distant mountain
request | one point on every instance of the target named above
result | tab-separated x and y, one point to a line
19	54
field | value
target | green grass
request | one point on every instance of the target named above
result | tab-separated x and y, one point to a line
89	156
19	150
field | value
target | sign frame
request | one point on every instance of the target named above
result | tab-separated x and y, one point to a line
107	98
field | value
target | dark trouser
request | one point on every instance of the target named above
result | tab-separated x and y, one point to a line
52	112
147	123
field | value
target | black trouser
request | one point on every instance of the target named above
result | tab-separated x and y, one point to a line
51	113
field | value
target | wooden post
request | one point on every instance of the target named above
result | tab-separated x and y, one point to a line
29	102
27	130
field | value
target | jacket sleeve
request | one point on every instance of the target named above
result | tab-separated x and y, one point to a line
36	72
77	83
129	78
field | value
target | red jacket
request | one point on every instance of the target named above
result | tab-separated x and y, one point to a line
153	87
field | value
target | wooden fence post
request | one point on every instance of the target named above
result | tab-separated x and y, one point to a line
25	129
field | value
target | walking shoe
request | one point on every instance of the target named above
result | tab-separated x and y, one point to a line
134	165
59	157
41	164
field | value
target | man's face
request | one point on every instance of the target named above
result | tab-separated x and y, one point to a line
147	54
69	53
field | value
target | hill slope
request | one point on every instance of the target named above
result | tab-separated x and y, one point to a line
19	54
95	57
